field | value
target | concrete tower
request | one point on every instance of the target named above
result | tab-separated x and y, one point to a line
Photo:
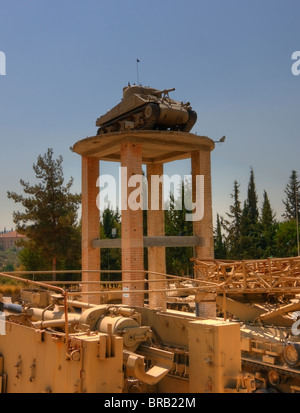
133	149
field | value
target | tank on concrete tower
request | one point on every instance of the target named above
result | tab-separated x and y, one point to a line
146	108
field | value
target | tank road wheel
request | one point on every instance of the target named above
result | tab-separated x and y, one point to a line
191	122
148	112
151	115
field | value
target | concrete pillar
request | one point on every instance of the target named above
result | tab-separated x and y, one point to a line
201	165
90	228
132	226
206	306
156	227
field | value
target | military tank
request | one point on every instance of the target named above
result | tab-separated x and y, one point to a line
146	108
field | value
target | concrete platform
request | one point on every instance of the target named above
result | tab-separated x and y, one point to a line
157	145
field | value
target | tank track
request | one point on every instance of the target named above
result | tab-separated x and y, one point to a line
148	124
283	370
151	113
288	376
191	122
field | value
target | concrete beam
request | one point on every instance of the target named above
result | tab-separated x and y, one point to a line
154	241
173	241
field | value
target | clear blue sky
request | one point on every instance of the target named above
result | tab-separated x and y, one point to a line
67	62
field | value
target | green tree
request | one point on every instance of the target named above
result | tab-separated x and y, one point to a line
178	258
9	267
219	242
233	225
252	200
32	259
268	228
286	239
49	219
292	201
110	222
250	226
111	258
248	241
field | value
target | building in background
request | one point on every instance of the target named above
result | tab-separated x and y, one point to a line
8	240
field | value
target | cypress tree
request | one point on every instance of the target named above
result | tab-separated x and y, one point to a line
233	225
292	208
268	228
292	192
220	246
250	228
252	200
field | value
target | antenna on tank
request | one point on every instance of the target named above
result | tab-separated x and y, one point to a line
137	71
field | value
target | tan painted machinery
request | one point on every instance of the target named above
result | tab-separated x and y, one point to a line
52	341
65	345
147	108
263	297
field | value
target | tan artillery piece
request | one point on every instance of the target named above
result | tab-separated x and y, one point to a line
147	108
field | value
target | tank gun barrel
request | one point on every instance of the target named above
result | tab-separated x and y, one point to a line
164	91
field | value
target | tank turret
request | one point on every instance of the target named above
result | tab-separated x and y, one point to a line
145	108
